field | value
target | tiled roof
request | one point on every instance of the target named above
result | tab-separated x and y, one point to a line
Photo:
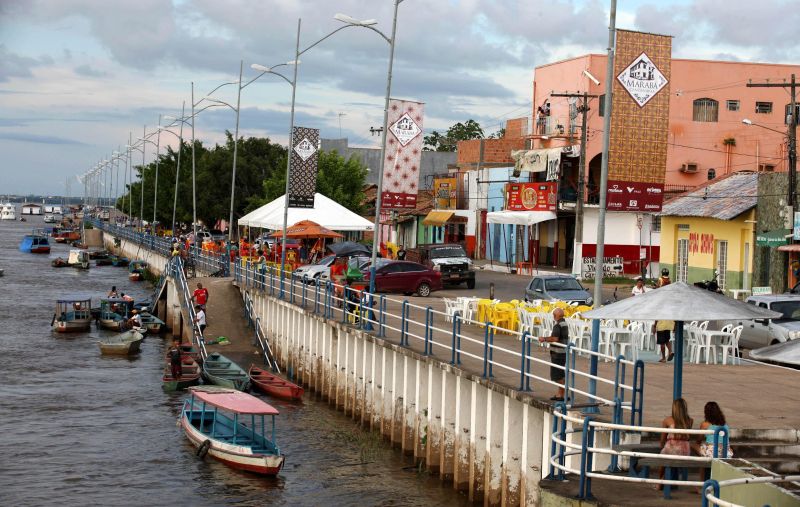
722	199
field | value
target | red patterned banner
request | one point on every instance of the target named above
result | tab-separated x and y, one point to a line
403	155
531	196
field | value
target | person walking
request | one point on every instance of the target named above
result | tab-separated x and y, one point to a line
174	356
664	329
200	318
664	280
558	356
200	296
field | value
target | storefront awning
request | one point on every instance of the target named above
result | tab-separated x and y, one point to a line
795	247
438	218
519	217
773	238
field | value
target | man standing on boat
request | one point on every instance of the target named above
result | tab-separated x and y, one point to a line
174	355
200	296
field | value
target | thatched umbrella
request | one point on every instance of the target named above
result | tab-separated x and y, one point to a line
679	302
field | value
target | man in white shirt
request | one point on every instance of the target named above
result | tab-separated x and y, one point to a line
639	288
200	318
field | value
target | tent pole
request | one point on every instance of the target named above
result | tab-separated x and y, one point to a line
677	388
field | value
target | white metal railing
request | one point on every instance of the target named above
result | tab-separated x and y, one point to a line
175	268
712	488
260	336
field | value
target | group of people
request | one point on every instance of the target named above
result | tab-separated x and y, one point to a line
662	328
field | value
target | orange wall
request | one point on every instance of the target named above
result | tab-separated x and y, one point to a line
690	141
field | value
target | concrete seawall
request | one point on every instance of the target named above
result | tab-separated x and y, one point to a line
483	437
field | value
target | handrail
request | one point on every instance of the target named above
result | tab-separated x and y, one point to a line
261	338
176	268
711	498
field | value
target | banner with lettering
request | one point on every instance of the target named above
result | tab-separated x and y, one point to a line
444	190
303	176
531	196
403	155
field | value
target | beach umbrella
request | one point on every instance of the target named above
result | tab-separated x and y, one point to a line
679	302
306	229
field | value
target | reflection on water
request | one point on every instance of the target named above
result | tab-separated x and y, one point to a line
79	428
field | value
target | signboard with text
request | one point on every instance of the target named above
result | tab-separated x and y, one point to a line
637	154
303	176
445	193
612	266
531	196
403	155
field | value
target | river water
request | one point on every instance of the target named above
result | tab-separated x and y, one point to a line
78	428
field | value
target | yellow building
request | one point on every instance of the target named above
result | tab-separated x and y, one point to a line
712	228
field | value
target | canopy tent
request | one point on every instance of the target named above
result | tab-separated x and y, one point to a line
326	212
307	229
519	217
679	302
348	248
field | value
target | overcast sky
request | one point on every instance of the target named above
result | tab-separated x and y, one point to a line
77	76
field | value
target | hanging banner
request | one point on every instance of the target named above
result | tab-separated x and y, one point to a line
637	156
531	196
403	155
444	190
303	177
545	159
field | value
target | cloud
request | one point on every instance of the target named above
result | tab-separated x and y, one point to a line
38	139
88	71
13	65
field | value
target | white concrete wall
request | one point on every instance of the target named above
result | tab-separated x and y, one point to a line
485	439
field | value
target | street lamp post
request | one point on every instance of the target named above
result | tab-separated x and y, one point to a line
792	154
178	169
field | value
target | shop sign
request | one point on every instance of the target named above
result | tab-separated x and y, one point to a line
445	191
531	196
635	196
773	238
612	266
401	163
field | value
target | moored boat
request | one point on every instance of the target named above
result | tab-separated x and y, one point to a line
119	261
274	385
221	371
72	315
122	344
190	375
136	271
98	254
102	262
114	313
8	212
231	427
77	259
34	243
152	323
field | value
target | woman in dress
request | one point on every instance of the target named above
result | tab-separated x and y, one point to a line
714	418
676	444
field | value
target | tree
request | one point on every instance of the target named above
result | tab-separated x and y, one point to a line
458	132
499	134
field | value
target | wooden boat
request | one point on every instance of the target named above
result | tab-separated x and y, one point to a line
78	244
274	385
122	344
34	243
136	271
230	426
77	259
66	235
152	323
114	313
102	262
98	254
221	371
119	261
72	315
190	375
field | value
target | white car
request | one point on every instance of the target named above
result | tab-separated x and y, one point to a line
313	271
762	332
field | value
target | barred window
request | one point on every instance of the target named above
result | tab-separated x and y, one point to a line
763	107
705	110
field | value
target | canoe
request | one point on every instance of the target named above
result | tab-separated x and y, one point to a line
213	419
102	262
151	322
119	261
274	385
122	344
135	277
98	254
190	375
221	371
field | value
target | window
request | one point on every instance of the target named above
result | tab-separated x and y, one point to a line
683	227
705	110
683	260
722	263
766	167
655	225
796	114
763	107
733	105
601	108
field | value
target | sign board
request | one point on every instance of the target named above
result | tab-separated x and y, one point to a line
760	291
531	196
637	157
403	155
444	190
796	228
774	238
612	266
303	176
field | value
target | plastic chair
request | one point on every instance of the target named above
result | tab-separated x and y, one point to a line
706	346
732	345
629	339
450	309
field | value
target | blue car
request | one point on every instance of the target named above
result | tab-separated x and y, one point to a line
557	288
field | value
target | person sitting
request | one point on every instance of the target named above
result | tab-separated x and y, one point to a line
135	321
639	288
676	444
714	419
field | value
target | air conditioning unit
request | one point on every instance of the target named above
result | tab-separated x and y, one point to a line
689	167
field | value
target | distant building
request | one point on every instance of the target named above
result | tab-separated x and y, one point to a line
31	209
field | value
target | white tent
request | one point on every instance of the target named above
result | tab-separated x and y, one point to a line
519	217
326	212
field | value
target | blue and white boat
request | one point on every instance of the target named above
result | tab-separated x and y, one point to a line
231	427
35	243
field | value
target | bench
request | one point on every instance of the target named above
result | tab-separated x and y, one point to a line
677	466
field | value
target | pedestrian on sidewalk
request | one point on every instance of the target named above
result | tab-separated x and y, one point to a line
558	355
200	296
639	288
174	356
664	330
200	318
664	280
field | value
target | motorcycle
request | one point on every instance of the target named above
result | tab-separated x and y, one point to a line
710	285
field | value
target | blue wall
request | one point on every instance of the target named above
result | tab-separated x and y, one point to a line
502	238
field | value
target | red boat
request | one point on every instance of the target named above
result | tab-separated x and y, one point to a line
274	385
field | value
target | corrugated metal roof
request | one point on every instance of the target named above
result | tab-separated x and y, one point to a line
724	199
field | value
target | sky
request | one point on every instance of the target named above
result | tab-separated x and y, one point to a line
78	77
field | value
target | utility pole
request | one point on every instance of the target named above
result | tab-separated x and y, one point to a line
792	85
577	254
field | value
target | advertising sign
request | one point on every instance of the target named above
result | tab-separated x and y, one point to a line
531	196
796	228
637	154
612	266
403	155
303	177
445	192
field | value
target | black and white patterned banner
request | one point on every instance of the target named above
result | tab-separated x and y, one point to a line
303	178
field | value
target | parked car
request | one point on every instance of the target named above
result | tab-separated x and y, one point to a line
762	332
557	288
313	271
203	236
448	258
361	262
405	277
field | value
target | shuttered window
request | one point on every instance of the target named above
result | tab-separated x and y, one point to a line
705	110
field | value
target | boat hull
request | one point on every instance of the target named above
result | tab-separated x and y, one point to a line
71	326
120	349
135	277
112	325
221	371
275	386
234	456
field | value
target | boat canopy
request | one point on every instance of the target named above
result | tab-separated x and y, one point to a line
232	400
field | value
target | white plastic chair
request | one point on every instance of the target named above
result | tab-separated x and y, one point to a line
629	339
705	346
450	308
732	345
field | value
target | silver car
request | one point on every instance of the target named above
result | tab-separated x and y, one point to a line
762	332
312	272
557	288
